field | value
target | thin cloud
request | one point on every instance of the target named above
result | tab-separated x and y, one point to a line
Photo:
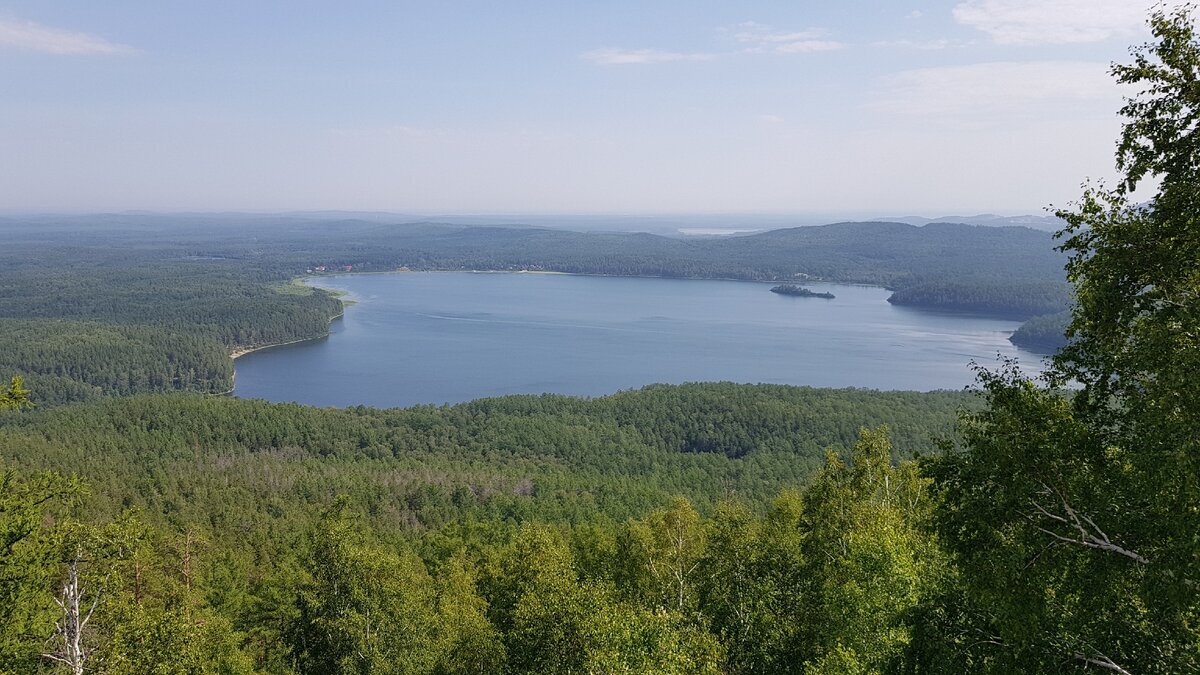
756	38
623	57
1054	21
30	36
996	88
761	39
920	45
807	46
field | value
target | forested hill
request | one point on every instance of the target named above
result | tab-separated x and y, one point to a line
239	536
882	253
895	254
875	252
186	287
209	459
1011	271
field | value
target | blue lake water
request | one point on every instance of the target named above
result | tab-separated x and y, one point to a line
443	337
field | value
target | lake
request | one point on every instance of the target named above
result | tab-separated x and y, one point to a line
441	337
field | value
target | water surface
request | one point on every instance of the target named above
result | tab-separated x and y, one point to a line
443	337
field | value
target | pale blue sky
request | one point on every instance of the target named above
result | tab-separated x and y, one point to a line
852	107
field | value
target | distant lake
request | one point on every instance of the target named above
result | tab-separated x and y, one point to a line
441	337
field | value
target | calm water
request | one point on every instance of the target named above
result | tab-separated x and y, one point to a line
447	337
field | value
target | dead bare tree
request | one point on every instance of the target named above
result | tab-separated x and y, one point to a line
69	628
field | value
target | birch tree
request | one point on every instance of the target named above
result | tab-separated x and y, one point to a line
867	559
1074	512
90	560
27	563
366	609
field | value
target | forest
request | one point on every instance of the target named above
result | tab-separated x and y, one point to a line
1025	526
1009	299
78	360
1046	333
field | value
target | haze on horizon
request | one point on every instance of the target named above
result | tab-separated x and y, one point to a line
866	107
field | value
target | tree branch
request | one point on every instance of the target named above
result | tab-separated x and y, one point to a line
1090	534
95	601
1102	662
54	657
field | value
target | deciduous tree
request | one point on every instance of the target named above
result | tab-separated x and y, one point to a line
1074	513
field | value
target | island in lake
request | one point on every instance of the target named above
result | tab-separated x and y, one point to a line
800	292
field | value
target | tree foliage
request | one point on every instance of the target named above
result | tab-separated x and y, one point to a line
825	577
1073	513
15	395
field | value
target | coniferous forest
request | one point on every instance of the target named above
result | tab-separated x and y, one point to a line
148	525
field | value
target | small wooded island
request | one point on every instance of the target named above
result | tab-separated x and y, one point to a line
799	292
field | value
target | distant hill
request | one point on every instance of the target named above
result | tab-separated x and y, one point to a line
886	253
1047	223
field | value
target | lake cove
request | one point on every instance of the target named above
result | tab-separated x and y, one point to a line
442	337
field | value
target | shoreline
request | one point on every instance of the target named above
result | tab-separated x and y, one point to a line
306	279
314	281
242	351
311	279
238	353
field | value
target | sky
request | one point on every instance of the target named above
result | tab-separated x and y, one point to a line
857	107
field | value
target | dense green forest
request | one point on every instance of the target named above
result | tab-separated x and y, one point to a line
622	454
228	302
432	516
77	360
1005	298
670	592
1029	527
1045	333
115	327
